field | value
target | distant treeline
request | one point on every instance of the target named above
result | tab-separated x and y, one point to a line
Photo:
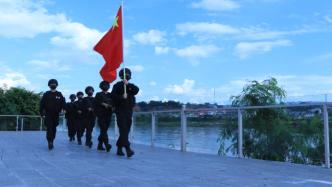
24	102
19	101
169	105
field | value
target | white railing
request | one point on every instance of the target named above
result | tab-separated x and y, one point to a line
183	120
239	111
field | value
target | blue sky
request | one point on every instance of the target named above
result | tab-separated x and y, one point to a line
178	49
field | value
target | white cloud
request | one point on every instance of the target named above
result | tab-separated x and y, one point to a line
161	50
197	51
328	18
136	68
185	88
155	98
10	78
152	37
13	79
77	35
127	44
153	83
296	87
216	5
246	49
205	28
326	57
50	65
27	19
188	92
211	29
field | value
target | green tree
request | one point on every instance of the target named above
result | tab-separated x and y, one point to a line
18	101
273	134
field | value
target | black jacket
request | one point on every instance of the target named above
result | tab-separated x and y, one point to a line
100	110
117	94
52	103
89	102
79	106
70	110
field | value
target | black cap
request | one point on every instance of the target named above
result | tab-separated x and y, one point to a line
104	84
52	81
79	93
72	97
127	71
89	88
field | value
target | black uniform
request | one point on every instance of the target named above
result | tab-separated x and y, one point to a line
71	119
104	116
124	110
51	105
89	118
79	125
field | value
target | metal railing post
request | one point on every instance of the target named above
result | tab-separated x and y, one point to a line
153	128
132	129
64	123
41	124
183	129
326	136
116	129
17	116
22	124
240	133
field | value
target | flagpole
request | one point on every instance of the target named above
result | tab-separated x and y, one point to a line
124	67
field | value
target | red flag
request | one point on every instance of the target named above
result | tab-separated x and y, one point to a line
111	48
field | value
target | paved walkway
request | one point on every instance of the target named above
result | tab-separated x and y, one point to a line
25	161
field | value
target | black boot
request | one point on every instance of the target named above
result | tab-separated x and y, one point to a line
119	152
108	147
129	152
50	145
89	144
100	147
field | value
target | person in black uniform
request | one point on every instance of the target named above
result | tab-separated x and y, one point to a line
71	116
51	104
123	94
79	107
103	110
89	115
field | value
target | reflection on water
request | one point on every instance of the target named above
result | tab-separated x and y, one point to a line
202	138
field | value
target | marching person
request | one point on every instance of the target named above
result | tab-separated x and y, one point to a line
104	110
123	94
70	117
89	115
79	108
51	104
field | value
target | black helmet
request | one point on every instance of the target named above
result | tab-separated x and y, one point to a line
127	71
72	97
88	88
104	85
79	93
52	81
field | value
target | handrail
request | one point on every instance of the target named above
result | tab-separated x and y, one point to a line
183	113
317	104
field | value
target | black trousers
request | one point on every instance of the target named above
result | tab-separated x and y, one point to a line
89	124
124	121
79	127
104	123
51	122
71	127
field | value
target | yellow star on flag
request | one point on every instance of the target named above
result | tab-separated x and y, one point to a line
115	24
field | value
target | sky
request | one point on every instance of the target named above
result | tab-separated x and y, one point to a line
185	50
